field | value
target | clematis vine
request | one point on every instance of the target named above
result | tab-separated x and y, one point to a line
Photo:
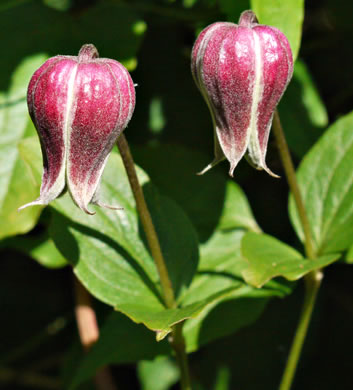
79	106
242	72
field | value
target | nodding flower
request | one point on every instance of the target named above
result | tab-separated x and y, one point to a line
242	71
79	106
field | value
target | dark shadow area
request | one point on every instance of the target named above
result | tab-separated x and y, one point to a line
35	28
255	356
230	316
178	240
221	273
300	131
172	168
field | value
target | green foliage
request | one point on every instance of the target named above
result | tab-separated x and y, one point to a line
159	374
109	254
303	114
265	257
225	271
326	182
109	27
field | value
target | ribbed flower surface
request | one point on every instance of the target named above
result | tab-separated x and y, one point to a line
79	106
242	72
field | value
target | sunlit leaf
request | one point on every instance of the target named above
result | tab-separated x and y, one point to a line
326	182
265	258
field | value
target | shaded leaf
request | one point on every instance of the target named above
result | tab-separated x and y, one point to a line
109	253
40	248
325	179
201	197
265	257
237	212
159	374
287	16
233	9
59	5
17	183
110	257
111	28
303	114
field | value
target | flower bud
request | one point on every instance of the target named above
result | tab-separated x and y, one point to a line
241	71
79	106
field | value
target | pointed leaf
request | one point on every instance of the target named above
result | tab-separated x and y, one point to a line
109	252
265	257
220	268
111	258
325	178
237	212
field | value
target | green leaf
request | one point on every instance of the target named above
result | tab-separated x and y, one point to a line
325	179
201	197
59	5
310	95
287	16
237	212
228	303
17	184
223	379
303	114
265	257
220	268
208	200
110	256
159	374
109	252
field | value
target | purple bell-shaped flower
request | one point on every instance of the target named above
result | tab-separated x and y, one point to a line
79	106
242	72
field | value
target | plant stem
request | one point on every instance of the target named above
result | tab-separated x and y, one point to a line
312	285
89	332
178	344
293	184
85	316
313	279
147	223
177	339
